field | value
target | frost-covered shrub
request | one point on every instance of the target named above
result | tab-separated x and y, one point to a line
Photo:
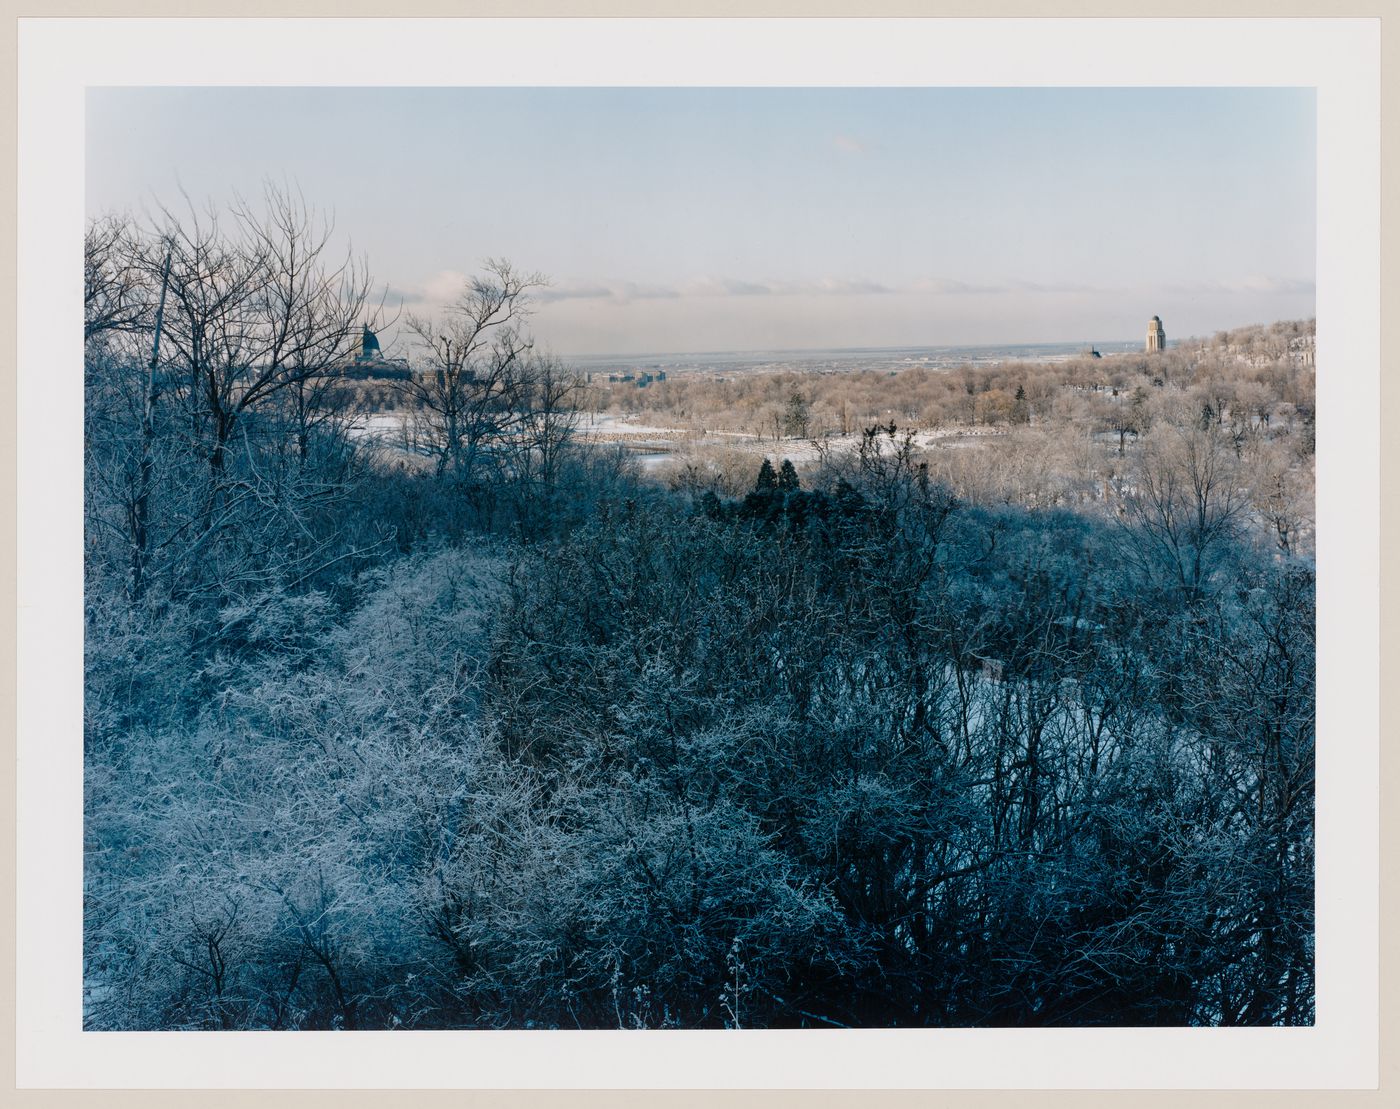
267	858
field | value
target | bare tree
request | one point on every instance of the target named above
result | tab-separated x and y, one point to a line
252	304
467	398
255	310
118	294
314	307
548	398
1283	496
1185	502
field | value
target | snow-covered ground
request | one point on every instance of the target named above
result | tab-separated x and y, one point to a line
658	444
387	426
594	425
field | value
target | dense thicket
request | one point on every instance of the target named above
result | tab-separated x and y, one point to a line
518	740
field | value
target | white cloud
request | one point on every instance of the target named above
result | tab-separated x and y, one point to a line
725	286
618	292
434	291
1062	287
1284	285
437	292
1255	284
857	287
708	286
944	286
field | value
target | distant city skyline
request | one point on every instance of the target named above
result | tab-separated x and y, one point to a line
718	219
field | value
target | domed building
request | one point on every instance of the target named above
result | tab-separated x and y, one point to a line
369	346
1156	337
371	363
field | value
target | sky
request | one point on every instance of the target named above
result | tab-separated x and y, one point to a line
722	219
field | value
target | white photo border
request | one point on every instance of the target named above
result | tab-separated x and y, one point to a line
60	59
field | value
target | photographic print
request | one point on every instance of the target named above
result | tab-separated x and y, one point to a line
737	557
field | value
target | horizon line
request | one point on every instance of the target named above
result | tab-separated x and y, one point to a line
860	349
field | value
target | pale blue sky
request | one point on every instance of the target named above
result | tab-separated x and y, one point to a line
723	219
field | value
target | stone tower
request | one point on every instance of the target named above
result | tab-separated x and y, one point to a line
1156	337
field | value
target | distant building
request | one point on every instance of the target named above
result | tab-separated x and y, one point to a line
641	379
371	363
369	346
1156	337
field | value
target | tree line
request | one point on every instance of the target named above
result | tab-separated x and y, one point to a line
1246	376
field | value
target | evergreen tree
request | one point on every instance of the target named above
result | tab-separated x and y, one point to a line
1137	412
798	415
1020	408
765	501
787	478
